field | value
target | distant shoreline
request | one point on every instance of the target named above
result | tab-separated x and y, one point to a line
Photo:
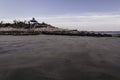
33	27
52	32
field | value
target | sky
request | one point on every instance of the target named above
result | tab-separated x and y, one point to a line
92	15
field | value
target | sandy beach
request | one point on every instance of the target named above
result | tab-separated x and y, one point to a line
46	57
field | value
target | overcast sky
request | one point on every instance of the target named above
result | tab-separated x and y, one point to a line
71	14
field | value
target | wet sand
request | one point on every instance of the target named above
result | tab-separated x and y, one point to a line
59	58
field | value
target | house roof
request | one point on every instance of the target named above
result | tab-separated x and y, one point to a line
33	20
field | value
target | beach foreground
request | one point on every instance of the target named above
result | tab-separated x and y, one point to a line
46	57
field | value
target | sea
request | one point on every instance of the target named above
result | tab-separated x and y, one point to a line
113	33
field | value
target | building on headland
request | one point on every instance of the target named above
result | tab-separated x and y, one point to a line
33	23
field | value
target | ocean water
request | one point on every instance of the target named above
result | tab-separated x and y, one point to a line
46	57
113	33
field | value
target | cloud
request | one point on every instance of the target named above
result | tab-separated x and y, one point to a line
86	22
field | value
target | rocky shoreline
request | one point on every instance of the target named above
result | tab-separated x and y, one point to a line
69	33
33	27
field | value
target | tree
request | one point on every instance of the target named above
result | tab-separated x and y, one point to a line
1	24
